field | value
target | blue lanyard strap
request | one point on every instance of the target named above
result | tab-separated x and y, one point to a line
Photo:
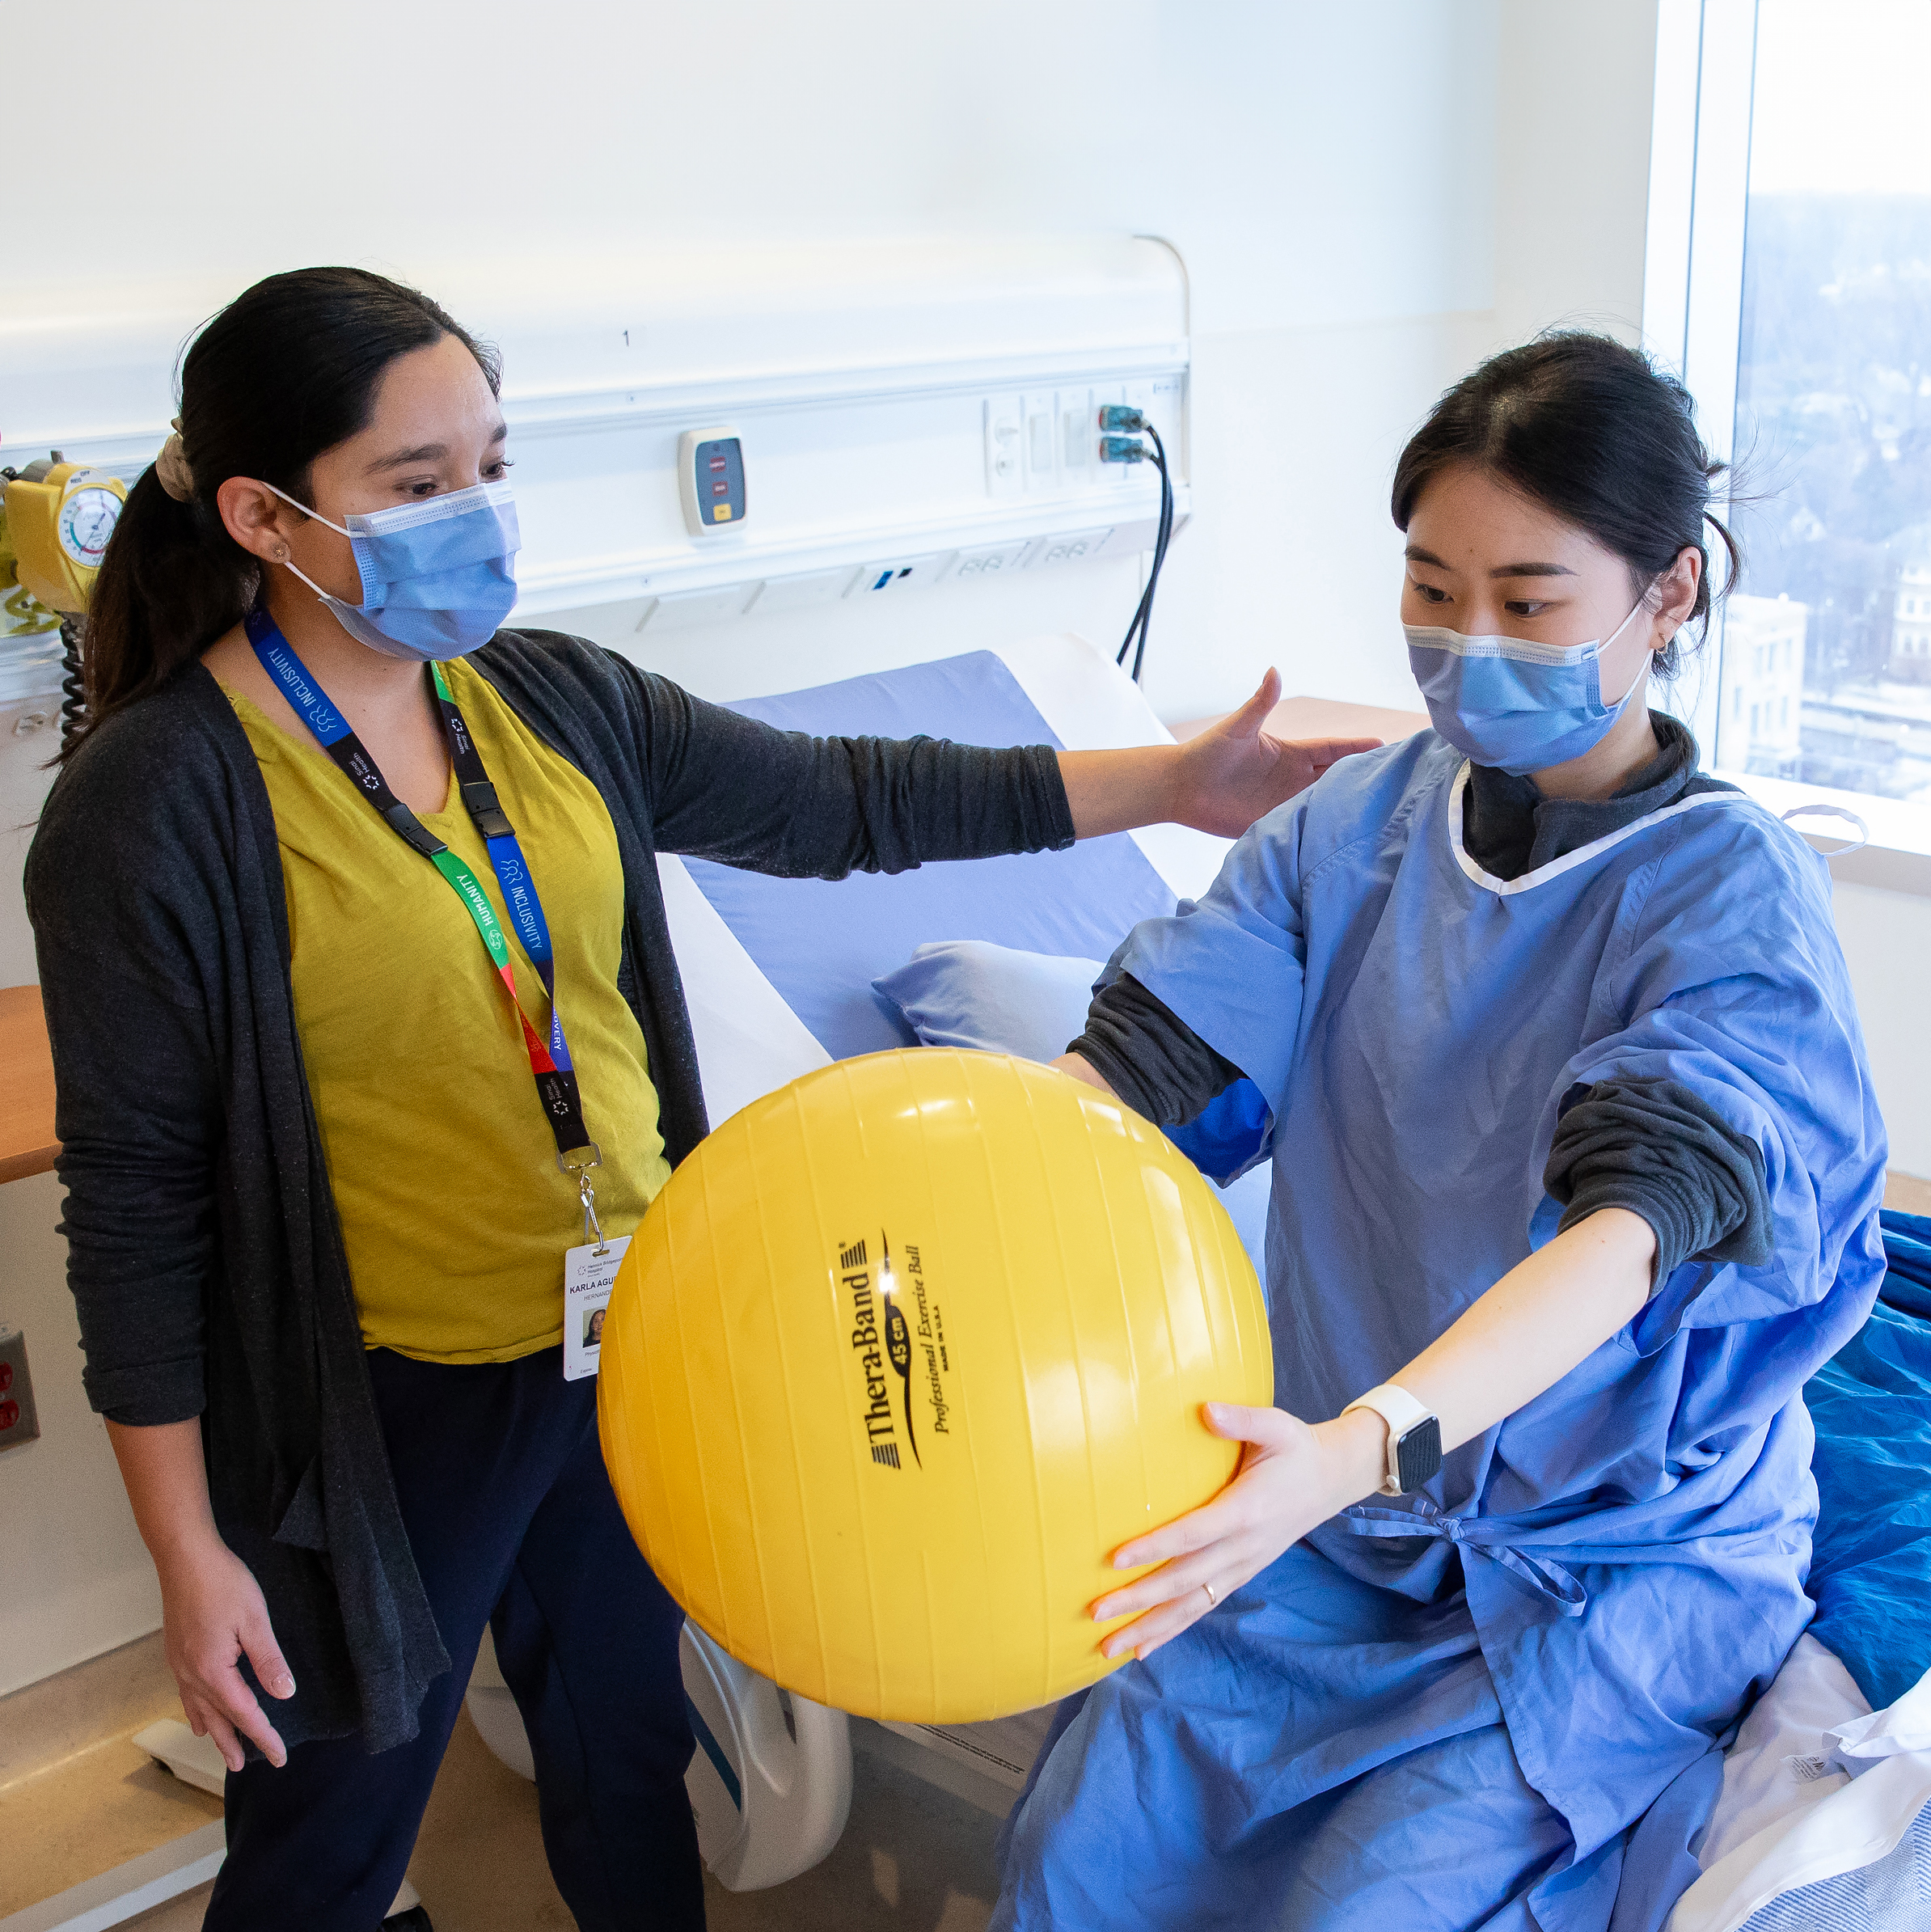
554	1074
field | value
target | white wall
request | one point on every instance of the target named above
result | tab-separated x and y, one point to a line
77	1581
1886	939
1323	171
1572	90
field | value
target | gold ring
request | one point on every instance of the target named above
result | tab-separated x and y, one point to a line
1213	1601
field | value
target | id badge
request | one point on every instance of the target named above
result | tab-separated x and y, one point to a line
589	1273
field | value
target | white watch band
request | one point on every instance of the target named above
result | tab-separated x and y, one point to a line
1401	1412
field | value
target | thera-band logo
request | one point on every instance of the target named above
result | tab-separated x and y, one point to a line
868	1344
886	1300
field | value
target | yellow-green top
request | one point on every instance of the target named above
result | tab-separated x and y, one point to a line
443	1166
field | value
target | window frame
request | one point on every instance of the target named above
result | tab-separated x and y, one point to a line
1693	322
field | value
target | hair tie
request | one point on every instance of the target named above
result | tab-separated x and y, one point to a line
171	471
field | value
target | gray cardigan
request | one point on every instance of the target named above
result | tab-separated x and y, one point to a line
203	1249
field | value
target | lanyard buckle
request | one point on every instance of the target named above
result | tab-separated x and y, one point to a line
579	1158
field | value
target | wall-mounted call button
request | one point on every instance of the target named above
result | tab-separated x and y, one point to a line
710	477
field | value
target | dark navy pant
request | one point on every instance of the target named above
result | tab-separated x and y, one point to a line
514	1524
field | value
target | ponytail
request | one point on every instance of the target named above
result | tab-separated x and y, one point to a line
168	587
287	370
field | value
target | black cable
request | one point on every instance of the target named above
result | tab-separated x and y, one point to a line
1135	639
74	700
1160	553
1137	630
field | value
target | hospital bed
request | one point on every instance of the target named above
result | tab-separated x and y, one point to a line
779	976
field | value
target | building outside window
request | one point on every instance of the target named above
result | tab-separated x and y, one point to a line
1790	259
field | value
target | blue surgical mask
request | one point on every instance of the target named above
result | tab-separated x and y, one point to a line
438	577
1507	702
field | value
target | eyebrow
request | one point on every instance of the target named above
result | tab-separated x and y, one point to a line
1416	554
428	452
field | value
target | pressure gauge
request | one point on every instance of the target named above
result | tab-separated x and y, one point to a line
59	518
87	520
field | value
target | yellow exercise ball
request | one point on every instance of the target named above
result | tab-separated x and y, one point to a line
900	1355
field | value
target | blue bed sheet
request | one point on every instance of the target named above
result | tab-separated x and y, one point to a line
823	945
1870	1577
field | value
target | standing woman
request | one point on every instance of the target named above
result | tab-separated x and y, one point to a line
361	991
1577	1170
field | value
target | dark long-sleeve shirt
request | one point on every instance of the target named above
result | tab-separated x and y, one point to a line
1650	1146
204	1250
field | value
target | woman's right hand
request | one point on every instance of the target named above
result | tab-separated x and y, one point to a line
211	1606
213	1615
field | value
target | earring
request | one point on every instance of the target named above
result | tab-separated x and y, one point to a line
281	553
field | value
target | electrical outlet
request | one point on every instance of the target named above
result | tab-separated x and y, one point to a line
20	1420
1005	458
1080	432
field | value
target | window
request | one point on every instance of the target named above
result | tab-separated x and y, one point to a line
1789	273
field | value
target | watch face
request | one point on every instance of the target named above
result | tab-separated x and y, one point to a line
1418	1454
87	520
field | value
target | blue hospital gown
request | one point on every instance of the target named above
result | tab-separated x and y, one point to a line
1454	1709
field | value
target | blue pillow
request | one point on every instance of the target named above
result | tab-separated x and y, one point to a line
969	992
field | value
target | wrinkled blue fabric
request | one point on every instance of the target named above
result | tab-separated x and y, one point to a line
1871	1575
1626	1552
1907	1256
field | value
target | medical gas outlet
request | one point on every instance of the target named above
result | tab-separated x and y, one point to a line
710	474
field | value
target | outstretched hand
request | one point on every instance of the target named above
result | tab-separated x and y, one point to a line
1292	1477
1236	772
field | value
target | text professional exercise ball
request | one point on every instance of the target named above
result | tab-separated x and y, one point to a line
900	1355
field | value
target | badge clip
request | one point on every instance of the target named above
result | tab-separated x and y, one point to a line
574	1162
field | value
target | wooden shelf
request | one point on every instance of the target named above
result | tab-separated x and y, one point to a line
1323	717
27	1142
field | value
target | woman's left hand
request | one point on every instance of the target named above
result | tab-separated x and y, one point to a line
1292	1477
1234	772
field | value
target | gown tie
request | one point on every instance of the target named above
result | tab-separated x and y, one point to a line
1546	1578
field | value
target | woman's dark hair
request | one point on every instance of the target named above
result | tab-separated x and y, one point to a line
1594	431
286	370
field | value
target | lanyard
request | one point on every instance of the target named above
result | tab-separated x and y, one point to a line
550	1065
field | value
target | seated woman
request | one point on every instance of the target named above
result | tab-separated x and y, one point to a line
1577	1168
313	918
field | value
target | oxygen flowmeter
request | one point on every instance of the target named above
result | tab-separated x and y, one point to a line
59	517
55	518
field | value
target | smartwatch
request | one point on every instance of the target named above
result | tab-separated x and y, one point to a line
1414	1437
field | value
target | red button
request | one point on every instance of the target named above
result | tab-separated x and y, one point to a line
7	1377
720	490
10	1413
